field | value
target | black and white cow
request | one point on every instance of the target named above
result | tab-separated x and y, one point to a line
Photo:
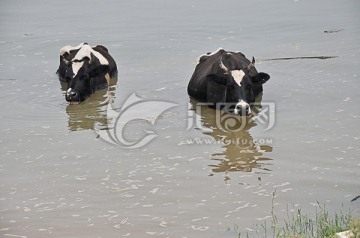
85	69
224	77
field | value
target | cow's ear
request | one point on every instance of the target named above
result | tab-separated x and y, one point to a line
64	61
260	78
64	65
216	89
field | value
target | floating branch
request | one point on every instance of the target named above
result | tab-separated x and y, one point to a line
302	57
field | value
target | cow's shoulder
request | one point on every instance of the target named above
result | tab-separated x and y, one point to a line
240	60
100	48
105	58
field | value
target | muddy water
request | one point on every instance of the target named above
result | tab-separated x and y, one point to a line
60	178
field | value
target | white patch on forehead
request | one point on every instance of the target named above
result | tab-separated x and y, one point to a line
76	67
86	51
238	75
68	48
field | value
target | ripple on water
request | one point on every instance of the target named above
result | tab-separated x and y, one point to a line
39	103
45	104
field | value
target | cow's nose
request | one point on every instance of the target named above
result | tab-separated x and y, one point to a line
242	108
71	95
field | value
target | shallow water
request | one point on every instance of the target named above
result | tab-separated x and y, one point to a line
59	178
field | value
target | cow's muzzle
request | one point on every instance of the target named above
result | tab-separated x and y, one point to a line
72	96
242	108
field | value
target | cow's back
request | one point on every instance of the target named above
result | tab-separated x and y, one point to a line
68	53
197	83
104	52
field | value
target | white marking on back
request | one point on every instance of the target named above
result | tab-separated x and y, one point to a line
86	51
76	67
208	55
102	59
68	48
238	75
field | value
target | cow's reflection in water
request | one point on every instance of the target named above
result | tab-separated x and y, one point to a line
92	111
241	152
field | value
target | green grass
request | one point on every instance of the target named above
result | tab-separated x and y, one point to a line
300	225
323	225
355	227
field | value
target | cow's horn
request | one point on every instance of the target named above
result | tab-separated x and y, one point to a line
252	64
223	66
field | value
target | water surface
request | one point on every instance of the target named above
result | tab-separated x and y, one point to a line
59	179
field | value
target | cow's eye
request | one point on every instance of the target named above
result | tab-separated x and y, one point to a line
249	87
84	77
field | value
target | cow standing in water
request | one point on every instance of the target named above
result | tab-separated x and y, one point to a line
85	69
224	77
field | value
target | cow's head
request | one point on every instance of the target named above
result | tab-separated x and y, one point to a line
235	80
86	71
